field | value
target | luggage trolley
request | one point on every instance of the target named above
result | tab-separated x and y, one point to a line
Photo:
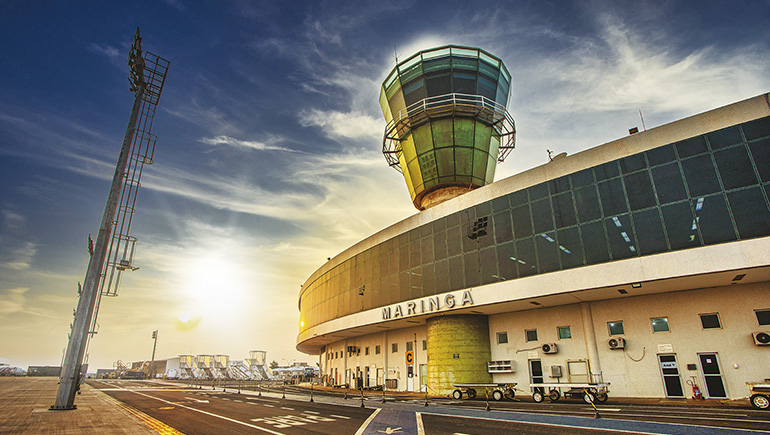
760	394
499	391
581	384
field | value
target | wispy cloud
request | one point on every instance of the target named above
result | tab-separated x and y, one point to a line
106	50
249	144
12	300
350	125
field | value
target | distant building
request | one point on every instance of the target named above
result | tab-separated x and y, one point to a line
645	260
44	370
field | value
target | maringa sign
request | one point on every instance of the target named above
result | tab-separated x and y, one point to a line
426	305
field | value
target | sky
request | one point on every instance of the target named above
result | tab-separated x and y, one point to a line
269	159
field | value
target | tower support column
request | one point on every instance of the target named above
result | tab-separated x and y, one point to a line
458	351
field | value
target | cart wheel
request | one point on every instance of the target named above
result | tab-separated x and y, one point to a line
537	397
589	397
601	397
471	393
497	395
760	401
457	394
554	395
509	393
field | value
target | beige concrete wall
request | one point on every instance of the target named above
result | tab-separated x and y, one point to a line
634	371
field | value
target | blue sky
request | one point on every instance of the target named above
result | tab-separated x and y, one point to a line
268	159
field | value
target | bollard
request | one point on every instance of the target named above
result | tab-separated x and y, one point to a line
284	392
383	394
362	398
486	390
426	395
346	395
311	392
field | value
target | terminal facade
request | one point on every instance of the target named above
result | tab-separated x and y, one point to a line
644	261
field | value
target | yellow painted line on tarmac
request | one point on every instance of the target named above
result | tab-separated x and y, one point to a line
154	424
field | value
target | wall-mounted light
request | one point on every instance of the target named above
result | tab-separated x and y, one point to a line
636	285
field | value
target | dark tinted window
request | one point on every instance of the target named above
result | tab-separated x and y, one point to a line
735	167
691	147
680	226
439	245
620	237
639	190
506	257
453	241
499	204
547	252
756	129
668	183
613	198
570	248
632	163
607	170
649	232
542	215
472	269
503	228
710	321
661	155
595	242
713	220
563	210
587	204
582	178
763	317
559	185
724	138
488	261
700	176
456	273
538	191
760	151
522	222
525	250
518	198
750	212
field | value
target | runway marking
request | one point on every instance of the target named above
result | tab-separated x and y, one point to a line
420	428
269	406
264	429
287	408
361	429
284	421
339	416
311	412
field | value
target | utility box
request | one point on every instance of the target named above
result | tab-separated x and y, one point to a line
556	372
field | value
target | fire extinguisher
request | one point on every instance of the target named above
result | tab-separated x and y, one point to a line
696	394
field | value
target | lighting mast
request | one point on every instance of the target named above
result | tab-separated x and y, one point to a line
113	244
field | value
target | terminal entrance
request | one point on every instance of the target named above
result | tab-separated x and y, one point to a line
669	369
712	376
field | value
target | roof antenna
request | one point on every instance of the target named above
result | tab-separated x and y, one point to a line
550	155
642	117
395	54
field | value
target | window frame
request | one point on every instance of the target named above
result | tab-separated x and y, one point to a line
703	326
653	322
617	322
762	310
393	347
527	333
502	335
566	328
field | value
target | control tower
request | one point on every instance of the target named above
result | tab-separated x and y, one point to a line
447	123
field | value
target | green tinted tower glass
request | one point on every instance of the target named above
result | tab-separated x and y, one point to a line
447	123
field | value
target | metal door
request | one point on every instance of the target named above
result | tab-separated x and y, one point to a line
669	370
536	373
410	378
712	376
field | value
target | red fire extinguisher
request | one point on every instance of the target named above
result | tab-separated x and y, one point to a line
696	394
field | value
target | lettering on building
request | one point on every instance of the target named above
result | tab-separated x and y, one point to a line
427	305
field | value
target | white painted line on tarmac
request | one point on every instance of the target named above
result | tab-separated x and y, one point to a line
339	416
269	406
311	412
420	428
287	408
361	429
211	414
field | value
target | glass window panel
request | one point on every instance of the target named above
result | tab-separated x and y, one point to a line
500	203
415	282
595	242
660	324
489	70
465	63
442	276
757	128
439	245
710	321
487	88
463	161
763	317
423	139
538	191
616	328
649	232
691	147
483	209
668	183
464	132
456	267
415	254
620	237
661	155
570	248
735	168
563	210
559	185
530	334
607	170
502	226
547	252
443	133
582	178
612	196
453	220
436	62
542	216
502	337
472	269
525	250
564	332
760	151
587	204
518	198
506	255
464	83
446	157
713	219
700	175
488	259
403	257
639	190
632	163
680	226
480	159
724	138
438	85
522	222
415	92
750	212
454	241
482	136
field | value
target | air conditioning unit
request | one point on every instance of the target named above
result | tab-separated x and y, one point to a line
761	338
549	348
617	343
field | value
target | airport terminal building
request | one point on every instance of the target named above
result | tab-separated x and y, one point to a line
644	261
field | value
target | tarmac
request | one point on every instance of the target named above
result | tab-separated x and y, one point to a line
25	403
25	409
